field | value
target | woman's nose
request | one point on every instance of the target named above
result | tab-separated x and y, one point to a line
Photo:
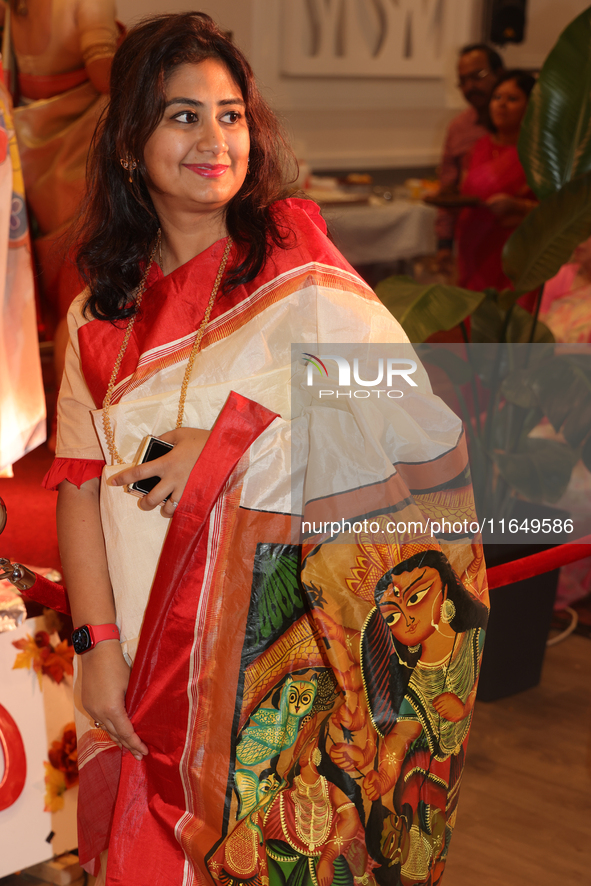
211	138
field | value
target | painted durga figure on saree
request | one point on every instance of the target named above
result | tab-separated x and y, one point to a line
362	761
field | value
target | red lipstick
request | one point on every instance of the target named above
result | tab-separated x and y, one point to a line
207	170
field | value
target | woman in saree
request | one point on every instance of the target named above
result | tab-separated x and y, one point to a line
203	665
62	50
497	179
22	401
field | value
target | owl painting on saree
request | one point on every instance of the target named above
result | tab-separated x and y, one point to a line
273	730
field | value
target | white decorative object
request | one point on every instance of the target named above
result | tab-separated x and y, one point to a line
39	715
373	38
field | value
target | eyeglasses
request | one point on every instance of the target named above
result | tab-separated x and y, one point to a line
474	77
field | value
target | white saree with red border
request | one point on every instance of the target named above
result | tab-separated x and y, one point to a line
295	736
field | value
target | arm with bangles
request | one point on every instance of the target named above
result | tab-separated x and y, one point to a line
352	716
343	650
344	827
98	40
392	751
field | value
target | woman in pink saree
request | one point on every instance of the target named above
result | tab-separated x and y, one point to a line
497	179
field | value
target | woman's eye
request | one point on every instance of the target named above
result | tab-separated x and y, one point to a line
392	618
416	598
232	116
186	117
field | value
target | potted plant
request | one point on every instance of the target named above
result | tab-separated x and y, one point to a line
505	391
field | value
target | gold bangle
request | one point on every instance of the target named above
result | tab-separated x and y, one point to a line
344	806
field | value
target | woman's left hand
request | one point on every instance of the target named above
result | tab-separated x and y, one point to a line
503	204
173	469
508	209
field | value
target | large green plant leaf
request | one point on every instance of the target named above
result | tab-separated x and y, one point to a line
457	370
541	472
519	327
517	389
489	323
561	388
422	310
546	238
555	140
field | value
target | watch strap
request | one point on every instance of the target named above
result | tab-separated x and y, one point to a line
87	636
103	632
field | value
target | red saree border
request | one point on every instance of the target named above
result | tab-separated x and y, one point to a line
312	274
44	86
161	661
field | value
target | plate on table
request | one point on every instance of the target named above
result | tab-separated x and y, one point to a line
335	198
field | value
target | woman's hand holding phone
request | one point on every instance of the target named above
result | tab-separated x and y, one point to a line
174	469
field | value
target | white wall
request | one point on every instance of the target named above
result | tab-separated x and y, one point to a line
362	122
546	20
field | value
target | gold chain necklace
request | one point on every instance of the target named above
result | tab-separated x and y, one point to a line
109	436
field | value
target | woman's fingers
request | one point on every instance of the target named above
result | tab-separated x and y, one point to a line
161	491
144	471
115	721
173	469
105	677
157	497
120	729
171	504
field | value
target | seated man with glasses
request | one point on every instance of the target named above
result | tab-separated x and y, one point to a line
479	68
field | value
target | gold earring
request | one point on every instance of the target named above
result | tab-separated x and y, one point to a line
129	164
316	756
448	610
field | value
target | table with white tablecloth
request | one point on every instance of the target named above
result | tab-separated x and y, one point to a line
381	232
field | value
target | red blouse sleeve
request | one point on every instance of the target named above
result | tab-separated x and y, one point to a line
76	470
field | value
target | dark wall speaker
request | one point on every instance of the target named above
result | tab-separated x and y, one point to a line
506	21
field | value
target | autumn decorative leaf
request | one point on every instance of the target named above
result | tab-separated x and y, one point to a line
30	657
63	755
59	662
55	788
38	654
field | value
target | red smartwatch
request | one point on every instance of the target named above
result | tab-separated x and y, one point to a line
87	636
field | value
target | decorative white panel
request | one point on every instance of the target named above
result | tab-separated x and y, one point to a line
39	717
373	38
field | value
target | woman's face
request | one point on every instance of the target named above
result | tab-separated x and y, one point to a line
197	156
412	603
507	106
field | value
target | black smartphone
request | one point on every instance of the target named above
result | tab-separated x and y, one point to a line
150	449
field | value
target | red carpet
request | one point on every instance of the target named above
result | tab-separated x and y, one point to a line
30	534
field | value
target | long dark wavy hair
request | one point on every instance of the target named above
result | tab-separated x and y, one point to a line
118	223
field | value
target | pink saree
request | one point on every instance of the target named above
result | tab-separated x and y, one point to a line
480	237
